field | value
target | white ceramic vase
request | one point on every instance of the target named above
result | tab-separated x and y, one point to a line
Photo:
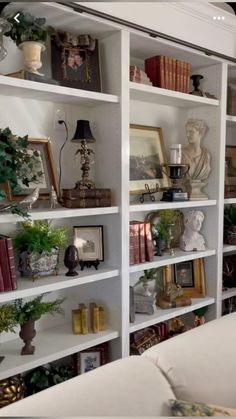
32	55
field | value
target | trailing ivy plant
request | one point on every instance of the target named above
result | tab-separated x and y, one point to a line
17	165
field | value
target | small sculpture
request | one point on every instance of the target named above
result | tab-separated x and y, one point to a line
197	157
30	199
71	260
191	239
53	198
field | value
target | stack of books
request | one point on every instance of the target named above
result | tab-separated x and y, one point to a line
86	198
8	280
138	76
168	73
140	242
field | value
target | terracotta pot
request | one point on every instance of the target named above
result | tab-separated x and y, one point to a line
32	55
27	333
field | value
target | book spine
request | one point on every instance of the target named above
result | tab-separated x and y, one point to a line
76	321
170	73
1	281
188	77
131	245
86	193
166	69
6	273
154	68
174	73
87	202
148	243
135	233
142	242
181	76
11	263
177	75
101	314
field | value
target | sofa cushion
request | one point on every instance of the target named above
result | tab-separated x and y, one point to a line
181	408
128	387
200	364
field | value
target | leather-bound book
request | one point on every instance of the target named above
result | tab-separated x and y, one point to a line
4	263
11	261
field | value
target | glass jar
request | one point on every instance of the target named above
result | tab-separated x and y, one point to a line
176	154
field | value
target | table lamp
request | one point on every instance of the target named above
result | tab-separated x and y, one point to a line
84	136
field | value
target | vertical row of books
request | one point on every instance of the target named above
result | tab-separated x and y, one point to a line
140	242
8	280
168	73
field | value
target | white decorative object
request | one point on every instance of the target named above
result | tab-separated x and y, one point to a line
176	154
32	55
197	157
191	238
53	198
30	199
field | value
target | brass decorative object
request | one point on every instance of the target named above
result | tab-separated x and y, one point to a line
11	390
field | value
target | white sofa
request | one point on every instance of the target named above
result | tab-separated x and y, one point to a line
199	365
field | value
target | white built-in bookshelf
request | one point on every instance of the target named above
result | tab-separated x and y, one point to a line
110	113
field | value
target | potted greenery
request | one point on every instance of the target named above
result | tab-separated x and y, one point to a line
7	320
26	313
38	244
230	224
149	275
46	376
29	34
17	165
161	231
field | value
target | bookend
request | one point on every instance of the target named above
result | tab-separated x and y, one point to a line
149	193
88	264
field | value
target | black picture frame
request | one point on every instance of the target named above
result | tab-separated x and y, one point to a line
184	274
89	242
86	76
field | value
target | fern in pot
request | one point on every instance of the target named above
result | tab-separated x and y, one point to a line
38	244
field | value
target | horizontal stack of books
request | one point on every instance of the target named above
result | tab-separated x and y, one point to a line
8	280
140	242
86	198
138	76
168	73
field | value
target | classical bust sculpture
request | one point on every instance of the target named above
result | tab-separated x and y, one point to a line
197	157
191	238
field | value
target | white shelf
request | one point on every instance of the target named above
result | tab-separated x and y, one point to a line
150	206
151	94
227	248
179	256
161	315
231	120
28	288
231	292
50	344
230	201
59	213
28	89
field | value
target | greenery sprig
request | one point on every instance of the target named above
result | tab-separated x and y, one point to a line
34	309
7	318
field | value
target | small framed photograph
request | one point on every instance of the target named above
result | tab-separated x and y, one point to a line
147	154
75	63
44	163
89	361
89	242
91	358
191	276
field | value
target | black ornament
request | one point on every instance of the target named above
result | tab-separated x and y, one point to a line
71	260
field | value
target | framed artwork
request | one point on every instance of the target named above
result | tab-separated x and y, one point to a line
230	171
91	358
76	66
89	242
45	165
191	276
147	154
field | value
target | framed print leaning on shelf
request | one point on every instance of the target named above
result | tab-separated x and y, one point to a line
147	153
45	165
89	242
90	358
190	275
230	172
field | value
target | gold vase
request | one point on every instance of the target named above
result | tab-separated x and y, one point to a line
11	390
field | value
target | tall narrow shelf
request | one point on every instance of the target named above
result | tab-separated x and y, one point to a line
229	293
150	206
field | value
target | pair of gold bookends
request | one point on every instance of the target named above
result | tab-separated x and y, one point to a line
82	322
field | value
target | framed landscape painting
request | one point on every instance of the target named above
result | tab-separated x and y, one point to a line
147	154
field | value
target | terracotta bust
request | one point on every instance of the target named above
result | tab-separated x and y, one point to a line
191	238
193	154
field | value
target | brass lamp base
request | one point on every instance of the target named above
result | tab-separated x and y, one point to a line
85	184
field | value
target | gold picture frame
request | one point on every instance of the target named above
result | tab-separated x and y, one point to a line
147	154
43	146
191	276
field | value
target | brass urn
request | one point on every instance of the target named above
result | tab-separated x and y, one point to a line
11	390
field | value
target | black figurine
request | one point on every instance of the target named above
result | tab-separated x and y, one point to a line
71	260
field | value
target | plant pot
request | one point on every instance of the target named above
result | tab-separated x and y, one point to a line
12	390
39	264
32	55
27	334
160	247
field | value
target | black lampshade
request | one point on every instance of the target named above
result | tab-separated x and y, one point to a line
83	132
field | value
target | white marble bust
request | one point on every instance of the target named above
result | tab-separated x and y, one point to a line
191	238
197	157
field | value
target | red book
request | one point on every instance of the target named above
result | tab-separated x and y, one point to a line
148	243
135	234
167	74
154	68
11	261
142	242
131	245
188	77
1	281
177	84
174	73
4	263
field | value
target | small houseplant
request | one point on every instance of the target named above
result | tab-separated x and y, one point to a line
7	320
161	231
26	313
29	34
230	224
38	244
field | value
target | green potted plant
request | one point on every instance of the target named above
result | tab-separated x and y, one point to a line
38	244
17	165
161	231
230	224
149	275
46	376
26	313
29	34
7	320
